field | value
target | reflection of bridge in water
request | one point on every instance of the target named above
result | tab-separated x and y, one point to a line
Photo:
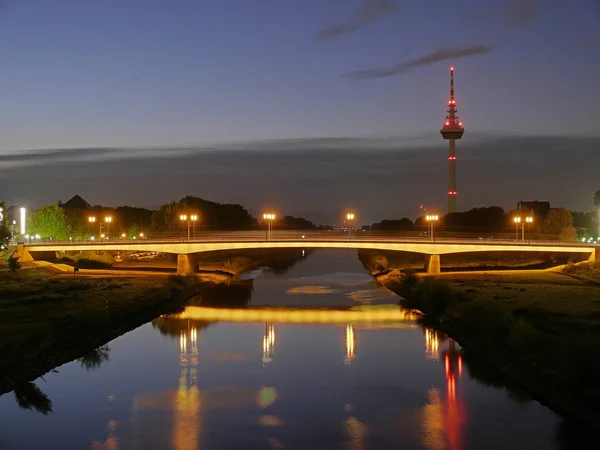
389	317
442	418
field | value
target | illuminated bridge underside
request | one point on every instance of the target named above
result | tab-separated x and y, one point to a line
395	316
188	251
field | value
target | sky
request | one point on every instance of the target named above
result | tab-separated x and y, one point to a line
274	77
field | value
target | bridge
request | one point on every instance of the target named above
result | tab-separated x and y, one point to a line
188	250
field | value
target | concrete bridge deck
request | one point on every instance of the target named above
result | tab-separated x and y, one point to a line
188	251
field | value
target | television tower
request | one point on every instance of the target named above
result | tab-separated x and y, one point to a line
453	129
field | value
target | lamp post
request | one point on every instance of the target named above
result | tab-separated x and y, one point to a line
107	221
92	220
350	217
431	220
517	221
184	218
269	218
193	219
529	220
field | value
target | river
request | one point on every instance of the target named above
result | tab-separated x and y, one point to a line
286	366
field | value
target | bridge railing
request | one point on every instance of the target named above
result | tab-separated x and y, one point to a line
298	236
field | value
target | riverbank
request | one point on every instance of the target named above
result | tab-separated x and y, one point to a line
48	320
539	329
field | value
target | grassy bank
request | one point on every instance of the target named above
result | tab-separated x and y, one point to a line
539	329
378	261
47	320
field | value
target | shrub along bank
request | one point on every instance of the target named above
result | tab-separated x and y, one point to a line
541	330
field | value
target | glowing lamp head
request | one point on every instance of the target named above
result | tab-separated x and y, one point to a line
183	217
350	216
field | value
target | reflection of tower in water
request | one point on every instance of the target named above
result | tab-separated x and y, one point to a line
268	343
443	420
455	415
187	398
350	341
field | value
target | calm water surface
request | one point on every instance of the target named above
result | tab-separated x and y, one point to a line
270	379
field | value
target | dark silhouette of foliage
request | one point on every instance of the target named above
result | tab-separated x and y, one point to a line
29	396
167	325
211	215
4	231
95	358
476	219
402	224
13	264
294	223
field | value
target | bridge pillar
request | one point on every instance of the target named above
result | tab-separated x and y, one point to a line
595	255
187	264
22	254
432	264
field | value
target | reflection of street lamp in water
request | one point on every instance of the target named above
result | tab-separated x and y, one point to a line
268	343
349	345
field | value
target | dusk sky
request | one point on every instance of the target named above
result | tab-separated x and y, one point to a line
139	73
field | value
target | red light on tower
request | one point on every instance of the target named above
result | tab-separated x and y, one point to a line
451	68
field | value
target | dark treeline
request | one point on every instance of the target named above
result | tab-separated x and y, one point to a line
211	215
558	222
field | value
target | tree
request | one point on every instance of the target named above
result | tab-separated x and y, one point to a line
50	222
559	223
133	231
4	231
597	205
13	264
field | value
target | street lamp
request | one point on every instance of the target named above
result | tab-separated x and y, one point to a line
92	220
269	217
350	217
193	218
189	220
107	220
517	221
431	220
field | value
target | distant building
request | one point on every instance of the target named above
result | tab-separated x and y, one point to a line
76	202
539	209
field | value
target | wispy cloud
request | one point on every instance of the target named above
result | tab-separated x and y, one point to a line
511	13
405	66
368	13
579	46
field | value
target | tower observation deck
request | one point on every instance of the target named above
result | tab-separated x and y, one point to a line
453	129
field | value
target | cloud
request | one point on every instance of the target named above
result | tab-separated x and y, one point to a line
439	55
580	46
367	14
511	13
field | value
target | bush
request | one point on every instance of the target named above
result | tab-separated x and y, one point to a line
435	295
13	264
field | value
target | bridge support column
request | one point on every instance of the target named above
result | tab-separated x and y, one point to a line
432	264
187	264
22	254
595	255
